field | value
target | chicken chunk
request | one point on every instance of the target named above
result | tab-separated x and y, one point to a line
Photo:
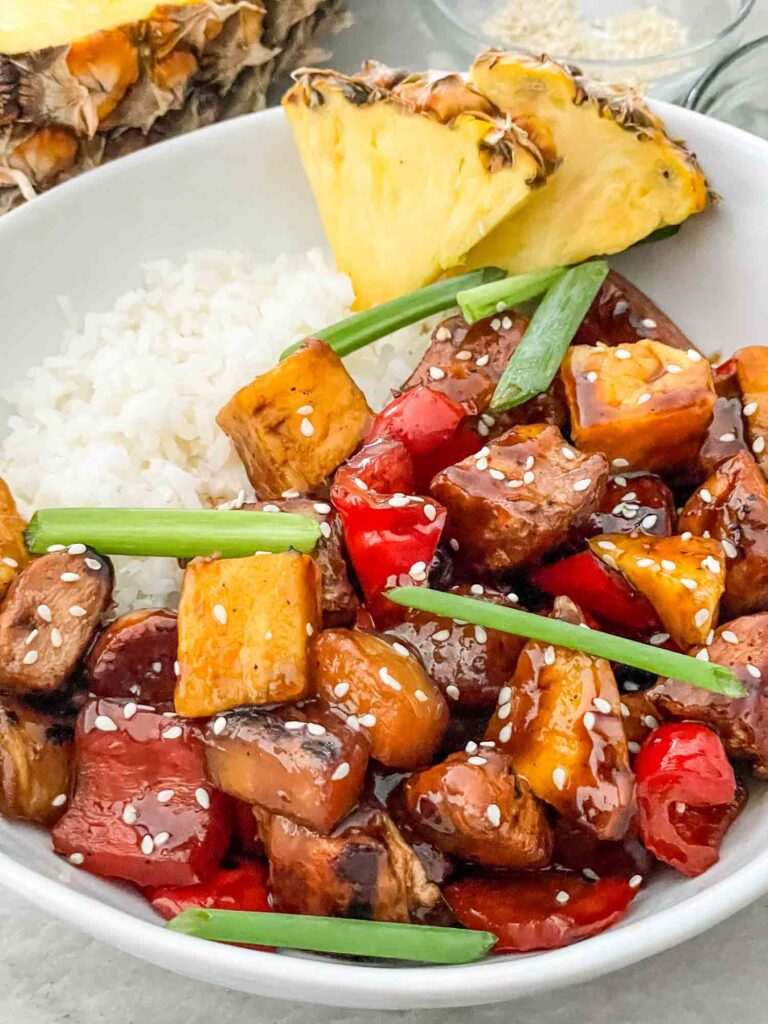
635	502
725	436
560	719
645	406
36	761
640	717
474	806
752	376
244	631
339	598
518	498
49	617
134	657
299	760
13	550
683	578
741	723
295	424
364	869
732	506
468	663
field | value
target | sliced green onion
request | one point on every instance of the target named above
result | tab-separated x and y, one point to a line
336	935
707	676
487	299
537	358
171	533
363	328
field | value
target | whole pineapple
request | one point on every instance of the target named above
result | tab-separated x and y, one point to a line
85	82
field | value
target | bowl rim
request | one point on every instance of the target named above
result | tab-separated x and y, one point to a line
697	97
594	64
337	983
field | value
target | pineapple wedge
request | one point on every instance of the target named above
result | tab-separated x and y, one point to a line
408	172
683	579
620	179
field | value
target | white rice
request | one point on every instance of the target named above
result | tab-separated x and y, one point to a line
125	414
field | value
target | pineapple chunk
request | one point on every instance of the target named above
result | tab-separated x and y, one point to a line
244	629
293	425
560	720
752	375
13	551
620	179
683	579
645	406
408	173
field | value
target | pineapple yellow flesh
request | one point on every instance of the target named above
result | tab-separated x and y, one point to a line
36	24
407	176
620	176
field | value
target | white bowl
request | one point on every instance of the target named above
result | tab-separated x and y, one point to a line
240	185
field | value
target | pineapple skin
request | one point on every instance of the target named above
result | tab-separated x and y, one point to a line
65	109
621	178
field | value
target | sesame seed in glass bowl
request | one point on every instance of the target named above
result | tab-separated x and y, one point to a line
661	47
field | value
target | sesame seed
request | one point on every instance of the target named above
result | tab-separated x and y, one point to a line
76	858
589	720
758	445
483	360
309	629
271	508
513	598
294	726
165	795
496	474
703	654
668	565
361	485
69	577
147	845
203	797
452	691
10	562
454	544
430	513
32	637
590	875
549	656
727	437
482	453
688	583
483	429
559	778
606	545
568	453
398	500
693	355
341	772
477	760
650	722
705	495
592	376
505	734
648	323
635	881
60	800
750	408
162	838
686	536
529	477
30	658
621	353
173	733
729	636
315	729
481	635
325	530
130	815
220	614
529	462
645	563
44	612
645	397
481	464
56	638
701	617
602	705
730	549
77	549
625	712
674	368
305	410
436	373
417	568
176	668
421	696
388	679
55	547
487	419
712	564
322	508
562	896
504	710
442	334
219	725
754	671
368	721
505	694
631	687
582	485
93	563
633	747
463	355
493	814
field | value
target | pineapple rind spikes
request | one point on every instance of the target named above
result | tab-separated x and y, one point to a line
621	176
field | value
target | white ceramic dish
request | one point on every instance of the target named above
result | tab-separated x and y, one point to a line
239	185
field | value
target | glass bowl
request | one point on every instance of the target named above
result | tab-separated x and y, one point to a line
736	89
714	29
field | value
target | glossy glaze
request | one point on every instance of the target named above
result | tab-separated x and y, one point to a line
134	657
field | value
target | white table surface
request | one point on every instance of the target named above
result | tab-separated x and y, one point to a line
50	974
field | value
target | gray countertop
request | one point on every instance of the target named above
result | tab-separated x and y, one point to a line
50	974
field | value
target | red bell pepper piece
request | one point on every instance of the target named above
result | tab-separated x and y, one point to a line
240	888
142	808
686	795
391	536
600	591
432	427
539	909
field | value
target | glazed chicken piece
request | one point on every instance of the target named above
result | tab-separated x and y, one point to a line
645	406
339	598
300	761
468	663
742	722
682	577
36	761
293	425
364	869
244	631
134	657
639	717
731	506
560	720
13	550
381	688
622	314
635	502
142	808
474	806
49	616
725	435
752	376
518	498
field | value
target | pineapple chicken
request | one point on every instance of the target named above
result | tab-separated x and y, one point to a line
409	171
83	82
620	178
13	551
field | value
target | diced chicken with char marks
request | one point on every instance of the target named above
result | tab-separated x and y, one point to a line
36	763
134	657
